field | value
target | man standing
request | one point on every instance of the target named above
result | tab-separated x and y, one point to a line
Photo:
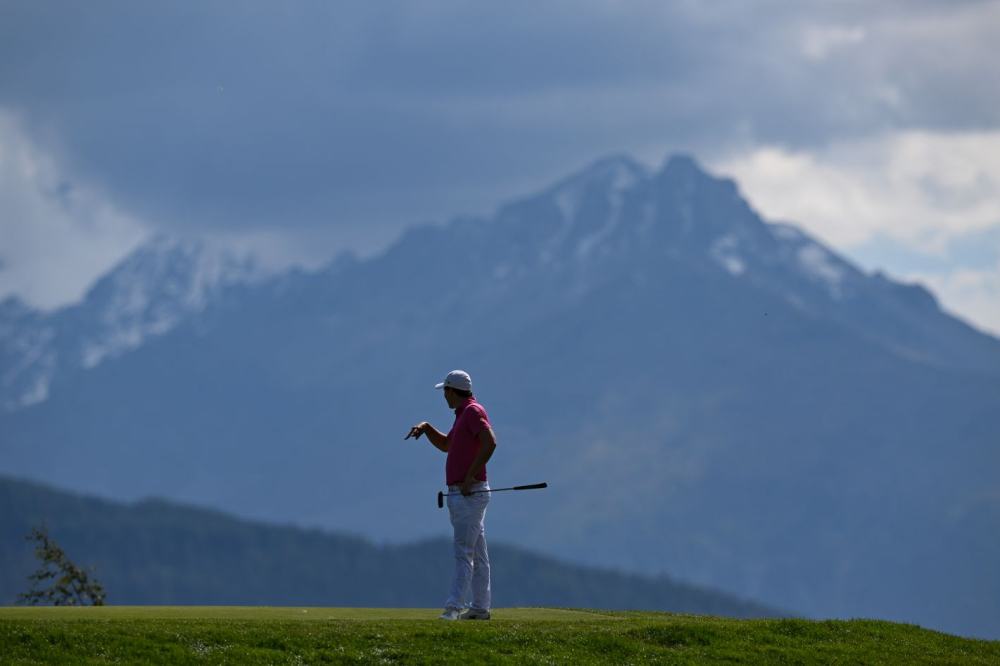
469	445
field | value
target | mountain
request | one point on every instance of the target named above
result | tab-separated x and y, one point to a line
156	288
708	395
158	553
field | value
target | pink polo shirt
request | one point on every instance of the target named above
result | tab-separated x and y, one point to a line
463	442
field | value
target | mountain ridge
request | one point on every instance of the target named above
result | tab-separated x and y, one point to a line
115	317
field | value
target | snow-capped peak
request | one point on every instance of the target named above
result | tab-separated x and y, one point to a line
155	288
613	174
607	180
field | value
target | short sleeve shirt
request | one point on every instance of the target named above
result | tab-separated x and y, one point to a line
463	447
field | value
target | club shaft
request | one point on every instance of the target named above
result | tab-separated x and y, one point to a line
499	490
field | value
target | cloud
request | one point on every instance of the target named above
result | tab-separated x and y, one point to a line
57	233
923	189
319	125
367	116
972	295
933	195
819	41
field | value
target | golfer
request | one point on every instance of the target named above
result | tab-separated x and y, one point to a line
469	445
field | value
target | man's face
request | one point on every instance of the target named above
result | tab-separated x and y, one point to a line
451	398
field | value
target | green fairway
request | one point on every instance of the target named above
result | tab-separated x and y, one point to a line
263	635
286	613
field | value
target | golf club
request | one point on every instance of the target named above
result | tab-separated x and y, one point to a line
536	486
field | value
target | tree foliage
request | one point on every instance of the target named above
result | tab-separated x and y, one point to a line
71	585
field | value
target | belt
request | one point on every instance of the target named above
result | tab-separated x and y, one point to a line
457	487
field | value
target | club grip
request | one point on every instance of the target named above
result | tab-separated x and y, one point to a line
532	487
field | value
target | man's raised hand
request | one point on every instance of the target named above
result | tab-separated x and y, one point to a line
416	431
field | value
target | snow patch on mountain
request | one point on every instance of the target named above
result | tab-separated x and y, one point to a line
786	232
808	258
26	381
723	251
612	177
623	178
37	389
568	201
819	264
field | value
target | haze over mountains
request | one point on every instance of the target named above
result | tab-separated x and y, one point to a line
709	396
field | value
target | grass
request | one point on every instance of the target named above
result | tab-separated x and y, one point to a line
248	635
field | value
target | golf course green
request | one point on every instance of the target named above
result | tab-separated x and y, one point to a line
286	635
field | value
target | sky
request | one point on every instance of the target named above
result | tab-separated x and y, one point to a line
296	130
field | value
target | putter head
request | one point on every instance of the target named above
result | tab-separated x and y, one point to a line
440	500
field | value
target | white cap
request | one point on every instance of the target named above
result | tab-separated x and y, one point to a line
457	379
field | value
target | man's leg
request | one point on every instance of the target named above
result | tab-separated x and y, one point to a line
481	575
467	522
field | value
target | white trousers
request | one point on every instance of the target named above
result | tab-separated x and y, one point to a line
472	562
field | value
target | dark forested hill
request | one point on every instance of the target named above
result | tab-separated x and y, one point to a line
155	552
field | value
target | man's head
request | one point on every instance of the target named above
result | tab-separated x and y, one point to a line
457	387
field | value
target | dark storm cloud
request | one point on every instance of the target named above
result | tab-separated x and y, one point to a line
225	114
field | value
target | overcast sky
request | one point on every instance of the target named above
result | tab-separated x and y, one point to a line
302	128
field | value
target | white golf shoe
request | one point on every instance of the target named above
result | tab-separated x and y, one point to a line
449	614
475	615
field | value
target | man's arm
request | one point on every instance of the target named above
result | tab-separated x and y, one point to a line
487	445
436	437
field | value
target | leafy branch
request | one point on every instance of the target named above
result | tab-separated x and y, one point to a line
71	586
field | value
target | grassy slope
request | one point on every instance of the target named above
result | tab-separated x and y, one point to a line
251	635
